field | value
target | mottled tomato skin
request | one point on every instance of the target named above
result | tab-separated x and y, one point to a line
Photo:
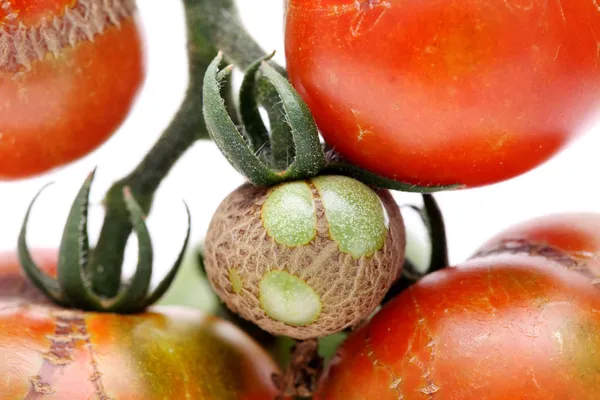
503	325
446	91
63	96
165	353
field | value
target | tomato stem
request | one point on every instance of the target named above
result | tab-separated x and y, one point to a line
212	25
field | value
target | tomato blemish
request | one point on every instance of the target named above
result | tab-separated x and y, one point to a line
70	332
24	44
365	20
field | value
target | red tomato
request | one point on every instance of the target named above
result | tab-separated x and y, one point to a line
446	91
69	73
165	353
520	320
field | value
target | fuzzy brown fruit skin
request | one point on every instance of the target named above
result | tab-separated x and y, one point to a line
349	288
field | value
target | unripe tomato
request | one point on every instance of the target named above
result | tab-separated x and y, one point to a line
446	91
69	72
520	320
165	353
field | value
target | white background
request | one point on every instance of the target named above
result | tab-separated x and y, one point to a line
203	178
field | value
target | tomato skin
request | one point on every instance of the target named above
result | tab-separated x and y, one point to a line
506	325
167	352
446	91
15	286
61	98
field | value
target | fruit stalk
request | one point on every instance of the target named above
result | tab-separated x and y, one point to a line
212	25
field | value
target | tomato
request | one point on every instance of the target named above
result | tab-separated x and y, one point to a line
69	73
446	91
165	353
13	283
519	320
306	258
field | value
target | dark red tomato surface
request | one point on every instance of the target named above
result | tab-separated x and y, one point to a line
69	73
520	320
51	353
446	91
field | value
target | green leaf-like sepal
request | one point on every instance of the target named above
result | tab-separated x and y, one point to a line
250	152
73	286
74	252
337	165
45	283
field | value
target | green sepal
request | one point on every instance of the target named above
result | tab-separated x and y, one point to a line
336	165
73	286
308	157
432	217
164	285
433	220
132	295
254	128
282	138
47	284
244	152
74	251
225	133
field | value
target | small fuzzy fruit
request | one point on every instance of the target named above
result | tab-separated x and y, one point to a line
308	258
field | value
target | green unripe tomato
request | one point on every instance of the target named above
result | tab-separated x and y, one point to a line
308	258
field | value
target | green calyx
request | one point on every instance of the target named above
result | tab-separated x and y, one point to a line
250	152
75	268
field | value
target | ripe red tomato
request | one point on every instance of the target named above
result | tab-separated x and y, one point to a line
165	353
520	320
446	91
69	72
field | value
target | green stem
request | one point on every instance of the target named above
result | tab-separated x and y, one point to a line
212	25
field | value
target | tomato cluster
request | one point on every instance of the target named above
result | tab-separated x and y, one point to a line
418	96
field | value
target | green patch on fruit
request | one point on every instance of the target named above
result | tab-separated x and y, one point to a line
288	299
236	281
357	219
289	214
